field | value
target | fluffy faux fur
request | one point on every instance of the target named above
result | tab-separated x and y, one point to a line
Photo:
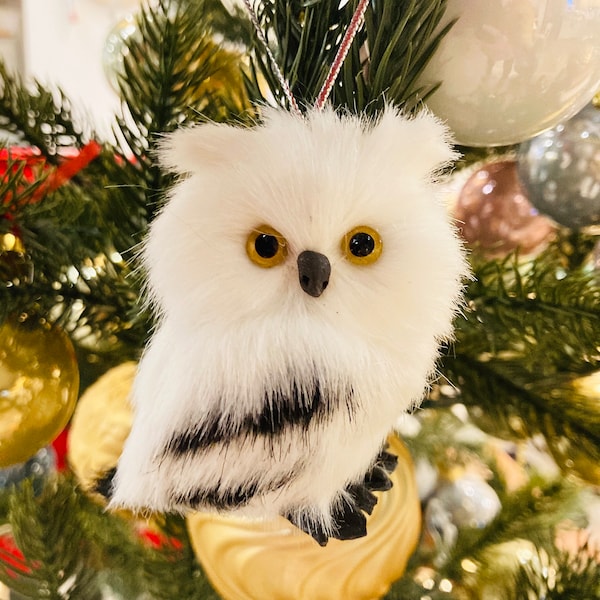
254	396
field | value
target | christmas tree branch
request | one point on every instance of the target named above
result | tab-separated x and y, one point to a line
558	576
38	116
530	330
58	561
71	542
530	513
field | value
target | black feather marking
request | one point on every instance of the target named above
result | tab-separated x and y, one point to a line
226	499
104	485
229	498
281	413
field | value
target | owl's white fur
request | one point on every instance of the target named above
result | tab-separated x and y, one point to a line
231	333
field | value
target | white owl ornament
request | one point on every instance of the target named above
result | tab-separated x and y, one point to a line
304	272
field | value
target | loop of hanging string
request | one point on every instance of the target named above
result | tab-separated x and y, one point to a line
340	56
285	86
338	61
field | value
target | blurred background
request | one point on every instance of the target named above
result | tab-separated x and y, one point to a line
69	43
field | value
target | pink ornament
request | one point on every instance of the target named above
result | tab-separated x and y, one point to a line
495	216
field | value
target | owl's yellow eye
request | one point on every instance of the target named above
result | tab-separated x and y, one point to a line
266	247
362	245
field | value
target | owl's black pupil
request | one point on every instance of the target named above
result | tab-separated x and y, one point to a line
361	244
266	245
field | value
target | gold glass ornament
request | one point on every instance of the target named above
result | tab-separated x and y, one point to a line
39	383
246	560
568	452
101	424
15	267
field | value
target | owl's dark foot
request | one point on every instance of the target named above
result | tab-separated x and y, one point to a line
349	519
104	484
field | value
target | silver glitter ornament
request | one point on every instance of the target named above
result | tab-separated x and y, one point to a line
560	170
467	502
36	469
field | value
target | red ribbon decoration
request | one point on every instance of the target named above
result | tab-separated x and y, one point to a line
32	158
68	169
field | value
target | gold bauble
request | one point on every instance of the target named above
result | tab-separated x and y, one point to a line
247	560
39	383
101	424
15	267
568	453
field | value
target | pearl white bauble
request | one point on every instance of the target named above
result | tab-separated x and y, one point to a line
511	69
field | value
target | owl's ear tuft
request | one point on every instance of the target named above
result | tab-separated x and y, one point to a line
421	144
190	149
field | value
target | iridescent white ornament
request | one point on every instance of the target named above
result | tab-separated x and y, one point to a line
511	69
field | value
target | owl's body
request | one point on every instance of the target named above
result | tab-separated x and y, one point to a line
273	381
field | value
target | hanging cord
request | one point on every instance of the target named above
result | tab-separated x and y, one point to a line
285	86
338	61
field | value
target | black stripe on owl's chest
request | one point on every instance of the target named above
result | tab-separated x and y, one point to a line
281	413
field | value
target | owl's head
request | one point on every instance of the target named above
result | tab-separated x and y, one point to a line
332	219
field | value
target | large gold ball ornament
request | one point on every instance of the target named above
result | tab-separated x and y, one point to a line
101	424
39	383
247	560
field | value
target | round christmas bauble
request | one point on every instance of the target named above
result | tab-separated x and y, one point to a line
511	69
36	469
246	560
115	49
467	502
222	62
39	382
100	425
493	213
560	169
15	267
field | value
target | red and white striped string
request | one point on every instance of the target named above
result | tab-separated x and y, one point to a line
340	56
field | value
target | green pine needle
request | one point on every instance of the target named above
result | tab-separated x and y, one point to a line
558	576
73	548
38	116
528	332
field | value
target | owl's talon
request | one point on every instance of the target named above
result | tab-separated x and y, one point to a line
350	523
365	500
378	480
310	527
387	460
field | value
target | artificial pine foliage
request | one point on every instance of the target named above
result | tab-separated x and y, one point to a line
400	37
529	330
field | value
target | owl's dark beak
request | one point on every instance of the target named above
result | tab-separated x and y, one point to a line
314	270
